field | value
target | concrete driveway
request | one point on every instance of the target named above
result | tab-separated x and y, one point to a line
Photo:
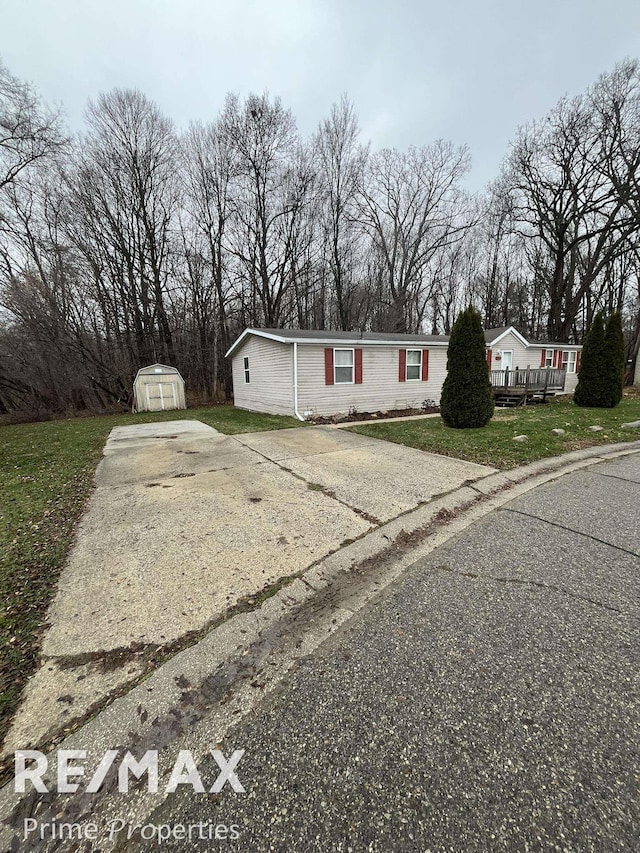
186	522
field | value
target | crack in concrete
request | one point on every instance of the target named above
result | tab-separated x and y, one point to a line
533	583
367	443
570	530
376	522
155	653
616	477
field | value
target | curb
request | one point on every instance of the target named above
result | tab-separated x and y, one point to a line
194	699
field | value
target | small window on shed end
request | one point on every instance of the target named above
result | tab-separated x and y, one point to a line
157	370
246	370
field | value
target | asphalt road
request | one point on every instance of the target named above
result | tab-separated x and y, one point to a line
490	701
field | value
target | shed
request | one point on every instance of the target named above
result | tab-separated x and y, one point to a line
157	388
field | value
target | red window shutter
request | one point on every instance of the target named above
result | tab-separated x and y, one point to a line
489	356
543	358
358	363
402	365
328	366
559	358
425	365
578	354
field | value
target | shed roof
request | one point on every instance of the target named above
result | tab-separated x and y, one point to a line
157	368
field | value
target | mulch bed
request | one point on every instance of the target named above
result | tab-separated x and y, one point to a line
373	416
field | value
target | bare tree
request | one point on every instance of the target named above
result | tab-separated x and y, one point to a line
411	207
273	191
341	161
574	181
123	200
210	165
29	130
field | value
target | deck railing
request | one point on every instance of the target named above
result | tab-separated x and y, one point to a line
530	378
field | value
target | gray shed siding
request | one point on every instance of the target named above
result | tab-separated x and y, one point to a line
380	388
270	387
158	388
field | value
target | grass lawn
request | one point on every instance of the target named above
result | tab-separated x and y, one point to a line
493	445
46	472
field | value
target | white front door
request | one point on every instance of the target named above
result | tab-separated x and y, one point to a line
507	359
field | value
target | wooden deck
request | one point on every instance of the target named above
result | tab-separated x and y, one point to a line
517	387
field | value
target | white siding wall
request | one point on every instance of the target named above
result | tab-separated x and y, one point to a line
522	356
380	388
270	388
535	356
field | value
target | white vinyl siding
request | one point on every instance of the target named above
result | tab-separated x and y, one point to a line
380	389
520	355
571	379
271	376
269	365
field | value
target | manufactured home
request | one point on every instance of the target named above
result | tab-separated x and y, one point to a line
307	373
507	349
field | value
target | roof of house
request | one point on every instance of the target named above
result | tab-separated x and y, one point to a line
493	336
556	344
356	338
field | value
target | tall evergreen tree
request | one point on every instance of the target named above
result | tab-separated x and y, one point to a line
591	390
467	395
614	358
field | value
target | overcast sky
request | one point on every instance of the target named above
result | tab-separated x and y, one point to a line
470	71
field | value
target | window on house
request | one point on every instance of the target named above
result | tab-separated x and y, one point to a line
569	361
246	371
343	366
548	358
414	364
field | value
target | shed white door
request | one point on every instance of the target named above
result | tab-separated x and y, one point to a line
161	396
